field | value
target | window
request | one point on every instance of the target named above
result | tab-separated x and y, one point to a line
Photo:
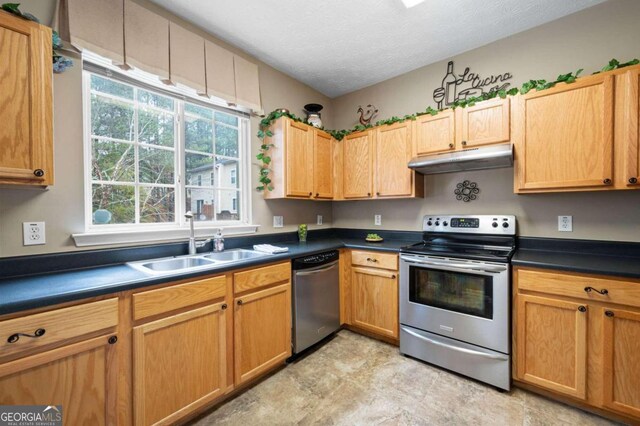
152	156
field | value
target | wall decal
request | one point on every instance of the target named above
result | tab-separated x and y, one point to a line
367	115
466	191
456	87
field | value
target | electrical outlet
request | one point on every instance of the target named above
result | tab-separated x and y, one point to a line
565	223
377	219
278	221
33	233
319	219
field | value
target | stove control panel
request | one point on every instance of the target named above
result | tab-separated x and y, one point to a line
470	224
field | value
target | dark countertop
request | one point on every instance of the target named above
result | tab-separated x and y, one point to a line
46	289
590	257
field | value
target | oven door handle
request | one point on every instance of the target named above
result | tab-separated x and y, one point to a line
455	348
492	269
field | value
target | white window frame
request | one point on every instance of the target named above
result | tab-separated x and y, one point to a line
134	233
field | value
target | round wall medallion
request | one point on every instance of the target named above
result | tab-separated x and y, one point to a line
466	191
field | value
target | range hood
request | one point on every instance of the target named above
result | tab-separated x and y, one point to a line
489	157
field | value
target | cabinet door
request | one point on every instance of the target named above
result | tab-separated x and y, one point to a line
485	123
299	159
393	153
628	105
621	357
262	327
375	301
551	344
564	136
179	364
357	157
26	133
322	165
81	377
434	133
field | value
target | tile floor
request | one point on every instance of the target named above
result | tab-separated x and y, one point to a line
354	380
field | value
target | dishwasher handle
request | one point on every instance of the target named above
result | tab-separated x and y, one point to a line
316	271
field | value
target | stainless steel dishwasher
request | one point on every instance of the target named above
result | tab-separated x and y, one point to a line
316	299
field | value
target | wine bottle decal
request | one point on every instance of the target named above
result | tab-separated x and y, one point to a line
449	84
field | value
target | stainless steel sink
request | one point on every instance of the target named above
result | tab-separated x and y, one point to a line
173	265
233	255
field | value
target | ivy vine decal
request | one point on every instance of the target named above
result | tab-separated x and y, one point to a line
538	85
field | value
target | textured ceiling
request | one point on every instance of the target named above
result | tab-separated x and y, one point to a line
338	46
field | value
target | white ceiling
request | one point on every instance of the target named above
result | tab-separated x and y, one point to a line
338	46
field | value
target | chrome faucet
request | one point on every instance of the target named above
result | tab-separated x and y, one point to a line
194	244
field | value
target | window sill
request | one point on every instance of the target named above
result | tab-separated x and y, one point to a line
98	238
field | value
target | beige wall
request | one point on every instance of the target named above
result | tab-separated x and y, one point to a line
586	40
62	205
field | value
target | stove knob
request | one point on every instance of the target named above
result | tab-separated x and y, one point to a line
505	224
445	223
494	224
437	223
429	223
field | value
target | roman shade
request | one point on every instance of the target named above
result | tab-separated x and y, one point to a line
146	40
220	72
186	58
132	36
95	25
247	84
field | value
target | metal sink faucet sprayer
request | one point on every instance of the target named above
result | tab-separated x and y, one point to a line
194	244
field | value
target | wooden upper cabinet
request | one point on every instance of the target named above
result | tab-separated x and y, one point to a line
564	136
628	129
621	358
393	153
26	133
358	154
551	341
299	159
485	123
322	165
434	133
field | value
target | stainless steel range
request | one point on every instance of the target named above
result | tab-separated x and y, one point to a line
454	295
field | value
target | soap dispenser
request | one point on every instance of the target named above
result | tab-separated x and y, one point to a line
218	241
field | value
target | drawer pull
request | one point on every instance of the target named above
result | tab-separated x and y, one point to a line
608	313
38	173
223	307
240	302
603	292
633	180
393	277
113	339
582	308
371	260
16	336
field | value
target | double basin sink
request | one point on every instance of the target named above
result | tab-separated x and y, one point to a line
194	262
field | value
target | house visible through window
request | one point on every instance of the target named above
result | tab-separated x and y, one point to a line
154	156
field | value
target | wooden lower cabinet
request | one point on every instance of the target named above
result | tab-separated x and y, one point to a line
262	331
552	344
179	364
621	360
582	346
81	377
374	298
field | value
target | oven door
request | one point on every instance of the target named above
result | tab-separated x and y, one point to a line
461	299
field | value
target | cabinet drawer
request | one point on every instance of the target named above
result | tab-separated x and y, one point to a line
261	277
573	285
375	259
154	302
58	325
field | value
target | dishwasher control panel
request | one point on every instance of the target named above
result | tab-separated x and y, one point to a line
315	259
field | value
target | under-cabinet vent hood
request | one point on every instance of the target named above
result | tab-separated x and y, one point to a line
489	157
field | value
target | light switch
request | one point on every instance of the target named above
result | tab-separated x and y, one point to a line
278	221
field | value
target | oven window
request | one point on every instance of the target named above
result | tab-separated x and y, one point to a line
454	291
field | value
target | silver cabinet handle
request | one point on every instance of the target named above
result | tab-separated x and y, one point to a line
455	348
315	271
